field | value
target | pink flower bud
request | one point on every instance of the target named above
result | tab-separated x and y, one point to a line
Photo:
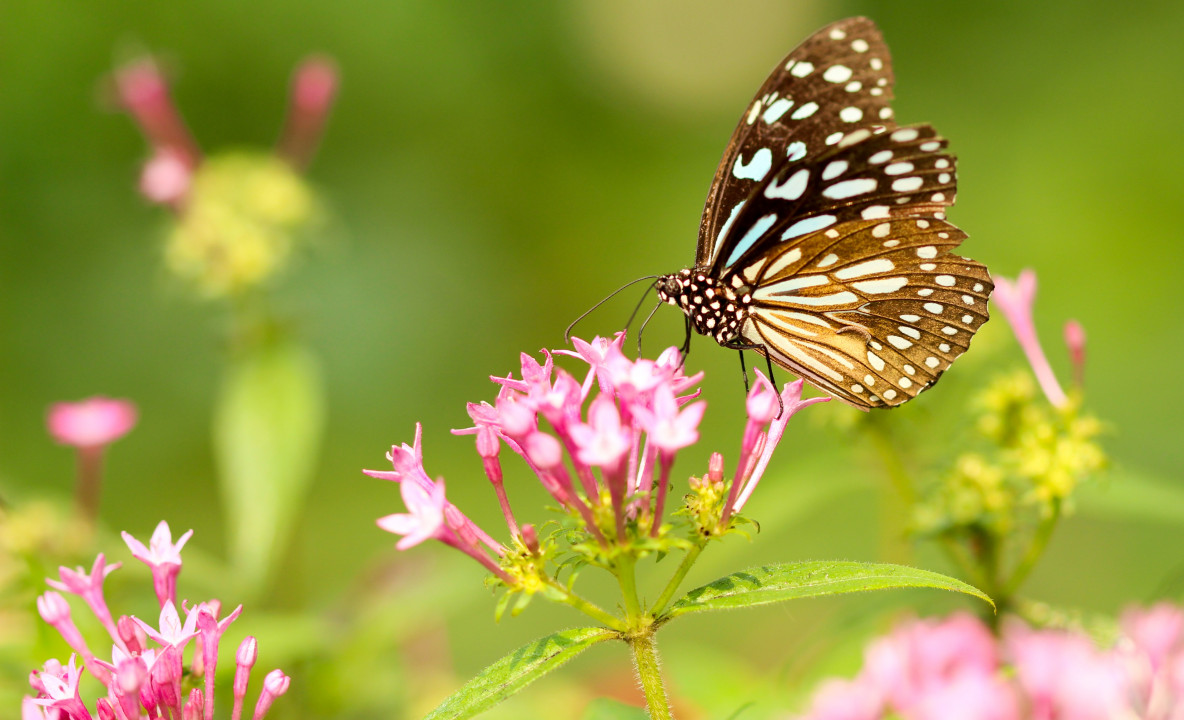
132	636
274	685
715	468
1075	339
166	177
93	422
106	711
530	538
195	707
53	608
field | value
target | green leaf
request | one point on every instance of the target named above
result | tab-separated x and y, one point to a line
517	670
790	581
267	436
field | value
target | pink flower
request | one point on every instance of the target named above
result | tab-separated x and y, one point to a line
91	423
1016	300
846	700
670	429
163	556
1064	676
314	87
969	696
166	177
758	445
172	631
89	588
424	518
602	441
920	656
1157	632
60	684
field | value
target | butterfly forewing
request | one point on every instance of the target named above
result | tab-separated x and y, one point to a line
866	176
837	81
871	311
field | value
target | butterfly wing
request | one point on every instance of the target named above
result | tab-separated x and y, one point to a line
872	311
837	81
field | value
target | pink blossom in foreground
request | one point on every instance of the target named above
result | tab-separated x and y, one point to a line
602	442
163	556
1017	299
955	669
1075	341
141	682
91	423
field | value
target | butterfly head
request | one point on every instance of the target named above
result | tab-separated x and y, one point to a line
715	308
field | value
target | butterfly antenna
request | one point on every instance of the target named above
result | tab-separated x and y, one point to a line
641	330
610	296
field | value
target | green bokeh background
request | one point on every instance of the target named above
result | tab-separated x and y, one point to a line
492	170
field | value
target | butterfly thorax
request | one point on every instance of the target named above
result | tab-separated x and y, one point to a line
715	308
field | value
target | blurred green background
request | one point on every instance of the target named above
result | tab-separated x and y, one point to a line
494	169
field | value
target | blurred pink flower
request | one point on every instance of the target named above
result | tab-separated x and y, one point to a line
1075	341
91	423
1017	299
314	87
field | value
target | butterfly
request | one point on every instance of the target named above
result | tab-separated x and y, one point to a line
824	243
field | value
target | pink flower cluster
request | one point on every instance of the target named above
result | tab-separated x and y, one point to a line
143	678
615	455
955	669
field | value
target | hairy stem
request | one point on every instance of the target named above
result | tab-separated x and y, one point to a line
645	660
684	567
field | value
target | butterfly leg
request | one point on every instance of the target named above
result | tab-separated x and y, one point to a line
686	343
742	346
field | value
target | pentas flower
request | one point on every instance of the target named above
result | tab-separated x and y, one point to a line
602	442
956	668
90	426
163	556
1017	299
143	682
91	423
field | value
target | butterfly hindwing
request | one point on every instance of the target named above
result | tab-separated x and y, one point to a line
871	311
837	81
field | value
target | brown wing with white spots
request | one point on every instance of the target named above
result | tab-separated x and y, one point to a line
872	311
837	81
899	173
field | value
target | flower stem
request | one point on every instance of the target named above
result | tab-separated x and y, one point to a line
628	582
684	567
645	660
1035	550
90	481
587	607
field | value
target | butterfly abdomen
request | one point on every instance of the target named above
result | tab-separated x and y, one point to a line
716	309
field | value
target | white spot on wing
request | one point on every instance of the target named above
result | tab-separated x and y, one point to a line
837	74
796	151
801	69
881	285
859	46
908	184
874	212
898	168
876	361
776	110
808	225
911	332
792	189
881	157
934	308
905	135
783	261
871	267
850	188
755	169
792	285
829	260
928	252
851	114
804	111
898	342
946	280
754	112
834	169
758	229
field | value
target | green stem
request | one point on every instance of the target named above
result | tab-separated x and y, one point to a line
588	608
628	582
1035	550
684	567
645	660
